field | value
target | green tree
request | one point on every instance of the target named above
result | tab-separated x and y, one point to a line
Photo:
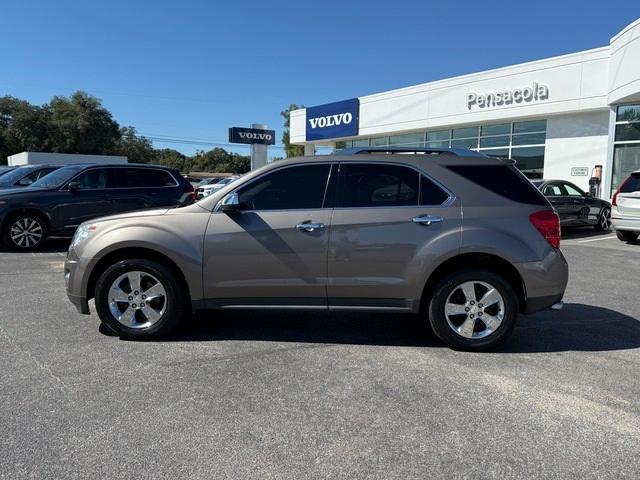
22	127
290	150
137	149
172	158
80	124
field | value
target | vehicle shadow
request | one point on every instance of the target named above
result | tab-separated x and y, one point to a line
583	232
576	327
53	245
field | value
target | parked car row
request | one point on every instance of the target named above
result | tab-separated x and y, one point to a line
37	202
210	185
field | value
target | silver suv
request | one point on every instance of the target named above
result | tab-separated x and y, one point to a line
462	239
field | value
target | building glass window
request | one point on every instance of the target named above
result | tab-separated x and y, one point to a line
380	141
530	160
412	139
362	142
626	145
522	141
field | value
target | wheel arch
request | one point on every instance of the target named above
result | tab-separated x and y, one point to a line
467	261
124	253
26	210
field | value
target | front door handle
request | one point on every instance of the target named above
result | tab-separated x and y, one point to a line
309	226
426	219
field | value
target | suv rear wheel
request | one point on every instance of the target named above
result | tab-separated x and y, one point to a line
140	299
473	310
627	236
24	232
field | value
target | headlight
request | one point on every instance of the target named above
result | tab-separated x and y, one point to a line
83	232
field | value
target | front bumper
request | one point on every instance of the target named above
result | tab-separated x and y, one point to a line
73	277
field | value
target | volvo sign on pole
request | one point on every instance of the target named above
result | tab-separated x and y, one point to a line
258	136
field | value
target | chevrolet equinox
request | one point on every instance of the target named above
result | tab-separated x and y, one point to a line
462	239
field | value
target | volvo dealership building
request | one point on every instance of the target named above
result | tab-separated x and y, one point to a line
560	117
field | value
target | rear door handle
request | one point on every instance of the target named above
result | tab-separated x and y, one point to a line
309	226
426	219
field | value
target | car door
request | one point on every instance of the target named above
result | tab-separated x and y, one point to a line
87	199
568	210
587	210
274	251
389	222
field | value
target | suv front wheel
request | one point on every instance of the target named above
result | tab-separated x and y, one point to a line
140	299
473	310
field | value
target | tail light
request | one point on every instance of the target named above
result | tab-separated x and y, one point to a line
547	223
192	192
614	199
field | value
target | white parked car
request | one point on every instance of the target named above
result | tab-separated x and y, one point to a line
625	212
206	190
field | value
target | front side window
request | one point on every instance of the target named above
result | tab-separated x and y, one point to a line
93	179
295	188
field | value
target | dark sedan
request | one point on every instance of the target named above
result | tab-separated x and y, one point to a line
56	204
575	207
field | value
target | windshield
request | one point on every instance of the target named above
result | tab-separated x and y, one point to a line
58	178
14	176
5	170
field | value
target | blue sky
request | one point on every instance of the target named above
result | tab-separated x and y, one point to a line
192	69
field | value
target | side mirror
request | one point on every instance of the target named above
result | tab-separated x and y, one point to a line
25	182
587	194
73	186
230	203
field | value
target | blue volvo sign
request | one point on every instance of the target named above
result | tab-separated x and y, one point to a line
333	120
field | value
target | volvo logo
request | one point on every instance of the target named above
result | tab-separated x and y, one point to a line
535	92
256	136
331	120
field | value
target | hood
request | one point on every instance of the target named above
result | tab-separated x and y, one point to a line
4	191
137	214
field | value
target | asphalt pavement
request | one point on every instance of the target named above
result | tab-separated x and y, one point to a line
310	395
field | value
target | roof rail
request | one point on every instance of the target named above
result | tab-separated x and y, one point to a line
461	152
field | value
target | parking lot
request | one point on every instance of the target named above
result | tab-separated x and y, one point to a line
310	395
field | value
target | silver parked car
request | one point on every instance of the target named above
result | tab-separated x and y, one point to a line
625	213
462	239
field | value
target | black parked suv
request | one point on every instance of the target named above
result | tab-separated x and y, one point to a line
57	203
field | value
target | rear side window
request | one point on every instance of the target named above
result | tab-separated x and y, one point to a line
370	185
632	184
381	185
143	177
503	180
293	188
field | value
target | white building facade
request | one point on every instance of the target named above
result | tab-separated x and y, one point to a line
42	158
559	117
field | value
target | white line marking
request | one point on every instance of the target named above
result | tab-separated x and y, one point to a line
596	239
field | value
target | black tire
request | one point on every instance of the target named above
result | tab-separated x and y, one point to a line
24	222
604	220
627	236
440	321
174	301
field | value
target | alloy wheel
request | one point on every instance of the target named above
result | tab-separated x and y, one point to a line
474	309
605	220
26	232
137	299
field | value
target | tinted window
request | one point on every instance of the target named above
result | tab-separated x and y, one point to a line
504	180
370	185
58	178
430	193
552	190
38	174
292	188
632	184
143	177
93	179
572	191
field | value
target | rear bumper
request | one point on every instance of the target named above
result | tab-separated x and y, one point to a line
536	304
625	222
544	281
